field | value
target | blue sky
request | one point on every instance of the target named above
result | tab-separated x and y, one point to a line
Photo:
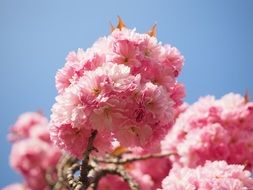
35	36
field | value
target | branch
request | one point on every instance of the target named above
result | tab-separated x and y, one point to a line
63	165
129	160
85	167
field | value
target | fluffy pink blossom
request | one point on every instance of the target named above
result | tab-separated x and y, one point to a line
76	65
124	87
213	130
25	125
216	175
156	168
32	158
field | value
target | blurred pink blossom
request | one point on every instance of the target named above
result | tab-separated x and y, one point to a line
216	175
213	130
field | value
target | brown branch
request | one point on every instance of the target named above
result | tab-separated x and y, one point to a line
85	167
129	160
65	162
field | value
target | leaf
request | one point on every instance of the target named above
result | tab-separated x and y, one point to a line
118	151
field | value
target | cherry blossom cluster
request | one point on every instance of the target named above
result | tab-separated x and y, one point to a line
124	87
33	155
217	175
213	129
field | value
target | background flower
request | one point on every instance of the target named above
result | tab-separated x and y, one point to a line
213	129
211	176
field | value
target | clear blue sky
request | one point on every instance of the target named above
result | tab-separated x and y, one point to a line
216	38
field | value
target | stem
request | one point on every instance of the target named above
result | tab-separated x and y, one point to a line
85	167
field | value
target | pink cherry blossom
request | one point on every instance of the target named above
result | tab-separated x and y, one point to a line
213	130
124	87
156	168
25	125
76	65
124	52
216	175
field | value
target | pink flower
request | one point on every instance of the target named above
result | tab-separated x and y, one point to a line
26	124
150	50
212	176
112	182
156	168
75	67
32	158
64	77
132	135
213	130
173	60
124	52
177	94
157	104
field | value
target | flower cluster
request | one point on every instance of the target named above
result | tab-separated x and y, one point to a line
30	124
217	175
33	155
124	87
213	130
